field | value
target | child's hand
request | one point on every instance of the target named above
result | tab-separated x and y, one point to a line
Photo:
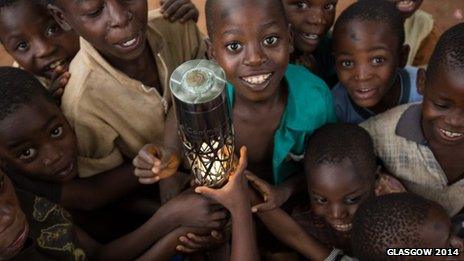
173	186
234	193
154	163
182	10
58	81
273	196
194	242
194	210
387	184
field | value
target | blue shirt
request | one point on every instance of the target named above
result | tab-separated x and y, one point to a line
347	111
309	106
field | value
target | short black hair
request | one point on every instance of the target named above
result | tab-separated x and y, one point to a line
210	5
379	11
19	87
448	53
389	221
335	142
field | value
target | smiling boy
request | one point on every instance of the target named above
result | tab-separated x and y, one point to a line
423	144
118	95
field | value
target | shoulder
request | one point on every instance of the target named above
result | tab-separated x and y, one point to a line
303	81
169	29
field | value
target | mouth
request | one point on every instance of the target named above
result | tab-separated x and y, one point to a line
365	93
257	82
342	227
450	135
130	43
66	171
405	5
20	239
64	62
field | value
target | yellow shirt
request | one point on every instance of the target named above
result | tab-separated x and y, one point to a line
421	36
114	115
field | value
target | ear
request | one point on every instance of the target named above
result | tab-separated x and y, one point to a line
209	49
420	81
404	55
291	48
57	13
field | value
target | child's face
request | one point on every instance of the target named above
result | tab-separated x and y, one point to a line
31	35
336	191
252	45
310	20
367	59
37	141
115	28
13	223
443	109
436	232
407	7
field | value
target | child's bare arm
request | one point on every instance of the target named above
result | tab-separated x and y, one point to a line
289	232
99	190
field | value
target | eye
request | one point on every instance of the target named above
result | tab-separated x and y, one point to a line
302	5
319	200
56	132
329	7
347	64
440	106
271	40
22	46
52	29
378	60
96	12
27	154
234	47
352	201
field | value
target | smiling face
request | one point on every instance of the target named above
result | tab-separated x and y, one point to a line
13	224
310	20
367	60
115	28
336	191
443	109
37	141
251	42
34	39
407	7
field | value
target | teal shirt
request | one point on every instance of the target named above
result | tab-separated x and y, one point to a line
309	106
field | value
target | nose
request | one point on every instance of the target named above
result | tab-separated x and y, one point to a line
52	154
6	215
362	73
255	56
337	211
119	15
316	17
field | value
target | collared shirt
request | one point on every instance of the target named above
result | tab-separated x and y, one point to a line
348	111
114	115
400	143
309	106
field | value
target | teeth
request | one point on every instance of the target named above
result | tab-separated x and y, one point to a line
451	134
345	227
56	64
365	90
311	36
405	3
129	43
257	79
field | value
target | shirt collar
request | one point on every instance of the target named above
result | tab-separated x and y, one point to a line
409	125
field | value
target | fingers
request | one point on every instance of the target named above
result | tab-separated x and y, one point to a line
243	161
259	184
170	7
263	207
149	181
189	242
192	14
219	215
207	192
184	249
181	11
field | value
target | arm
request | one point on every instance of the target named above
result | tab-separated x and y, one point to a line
244	246
289	232
99	190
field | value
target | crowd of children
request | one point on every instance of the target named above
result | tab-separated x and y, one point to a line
90	162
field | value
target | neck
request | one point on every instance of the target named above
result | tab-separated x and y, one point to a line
274	102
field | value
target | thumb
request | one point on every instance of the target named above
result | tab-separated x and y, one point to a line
207	192
262	207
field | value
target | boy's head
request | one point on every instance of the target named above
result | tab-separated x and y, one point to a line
251	41
400	220
35	138
13	224
117	29
443	89
407	7
310	21
340	167
369	48
34	39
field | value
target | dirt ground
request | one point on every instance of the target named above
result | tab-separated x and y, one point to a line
446	12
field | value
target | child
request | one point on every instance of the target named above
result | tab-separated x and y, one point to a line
117	97
423	145
341	171
421	33
402	220
37	43
268	98
370	55
310	22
